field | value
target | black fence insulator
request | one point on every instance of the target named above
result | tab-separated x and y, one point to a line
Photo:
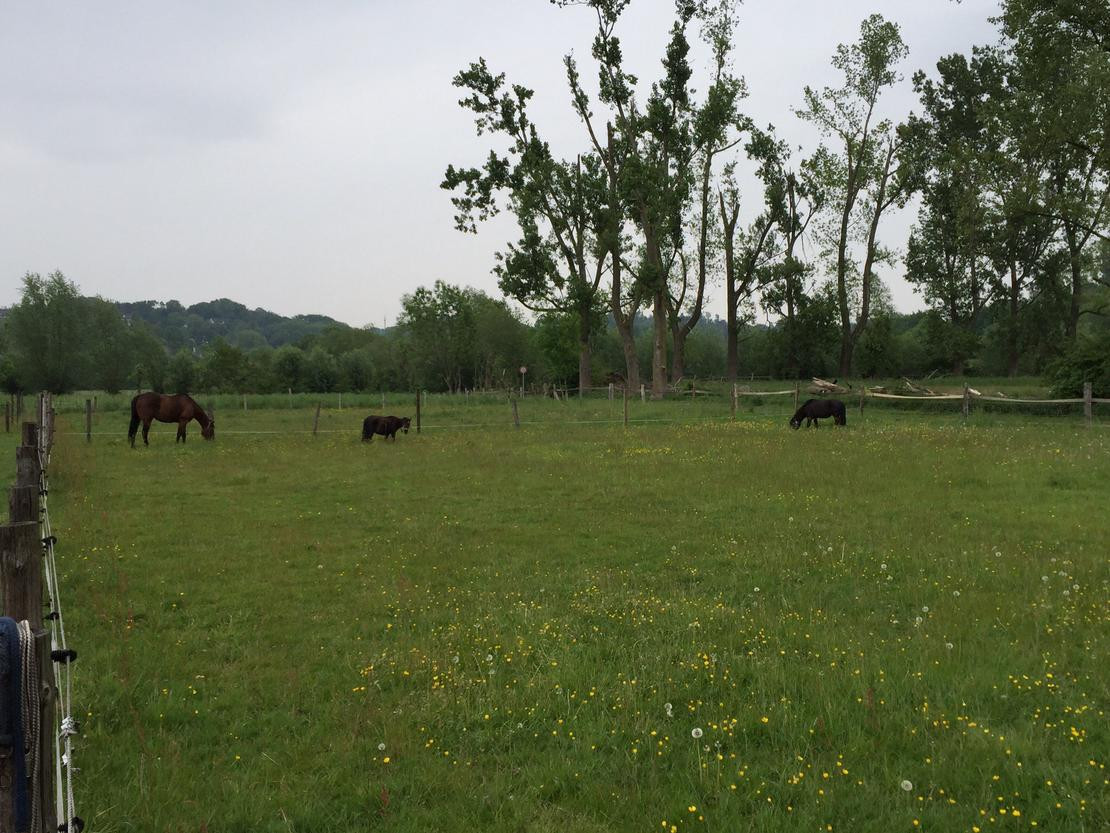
49	539
52	615
67	655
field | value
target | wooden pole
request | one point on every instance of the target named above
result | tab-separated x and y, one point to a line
7	417
1088	406
418	412
732	403
383	400
610	391
21	571
48	694
625	389
966	401
88	420
796	397
643	393
341	400
516	414
94	403
861	395
316	420
290	398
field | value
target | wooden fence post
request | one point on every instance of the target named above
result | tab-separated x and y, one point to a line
732	404
1088	409
7	417
418	412
625	406
48	693
316	420
796	396
88	420
516	414
643	393
610	391
862	394
383	400
966	401
21	571
290	398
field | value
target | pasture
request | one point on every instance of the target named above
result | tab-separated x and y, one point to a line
689	624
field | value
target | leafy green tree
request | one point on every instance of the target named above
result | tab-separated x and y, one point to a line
558	262
357	369
49	334
289	367
110	347
223	368
321	370
949	257
439	325
865	177
1061	69
149	357
182	373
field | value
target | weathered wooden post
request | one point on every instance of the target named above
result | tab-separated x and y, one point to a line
383	400
516	414
625	389
341	400
7	417
1088	404
643	393
21	571
290	398
316	420
94	403
861	395
418	412
795	396
732	403
88	420
966	401
610	391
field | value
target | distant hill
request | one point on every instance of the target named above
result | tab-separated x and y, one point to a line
191	327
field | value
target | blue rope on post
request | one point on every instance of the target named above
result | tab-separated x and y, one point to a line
11	719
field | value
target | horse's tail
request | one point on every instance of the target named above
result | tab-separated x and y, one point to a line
133	429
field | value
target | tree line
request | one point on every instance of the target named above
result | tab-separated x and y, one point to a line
1008	156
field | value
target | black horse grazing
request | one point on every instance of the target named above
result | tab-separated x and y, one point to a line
147	407
387	426
815	409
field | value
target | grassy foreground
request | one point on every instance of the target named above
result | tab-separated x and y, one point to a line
688	625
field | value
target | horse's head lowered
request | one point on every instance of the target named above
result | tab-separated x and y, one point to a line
209	431
405	422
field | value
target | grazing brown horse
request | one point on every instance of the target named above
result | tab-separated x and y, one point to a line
147	407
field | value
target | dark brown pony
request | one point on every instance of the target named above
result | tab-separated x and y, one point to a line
147	407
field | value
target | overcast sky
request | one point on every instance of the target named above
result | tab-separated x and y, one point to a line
288	155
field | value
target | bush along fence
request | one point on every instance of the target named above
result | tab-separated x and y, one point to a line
36	721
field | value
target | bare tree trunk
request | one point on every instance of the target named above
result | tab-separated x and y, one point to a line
1075	258
1013	355
585	375
659	344
678	360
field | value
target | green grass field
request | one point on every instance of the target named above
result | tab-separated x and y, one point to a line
689	624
